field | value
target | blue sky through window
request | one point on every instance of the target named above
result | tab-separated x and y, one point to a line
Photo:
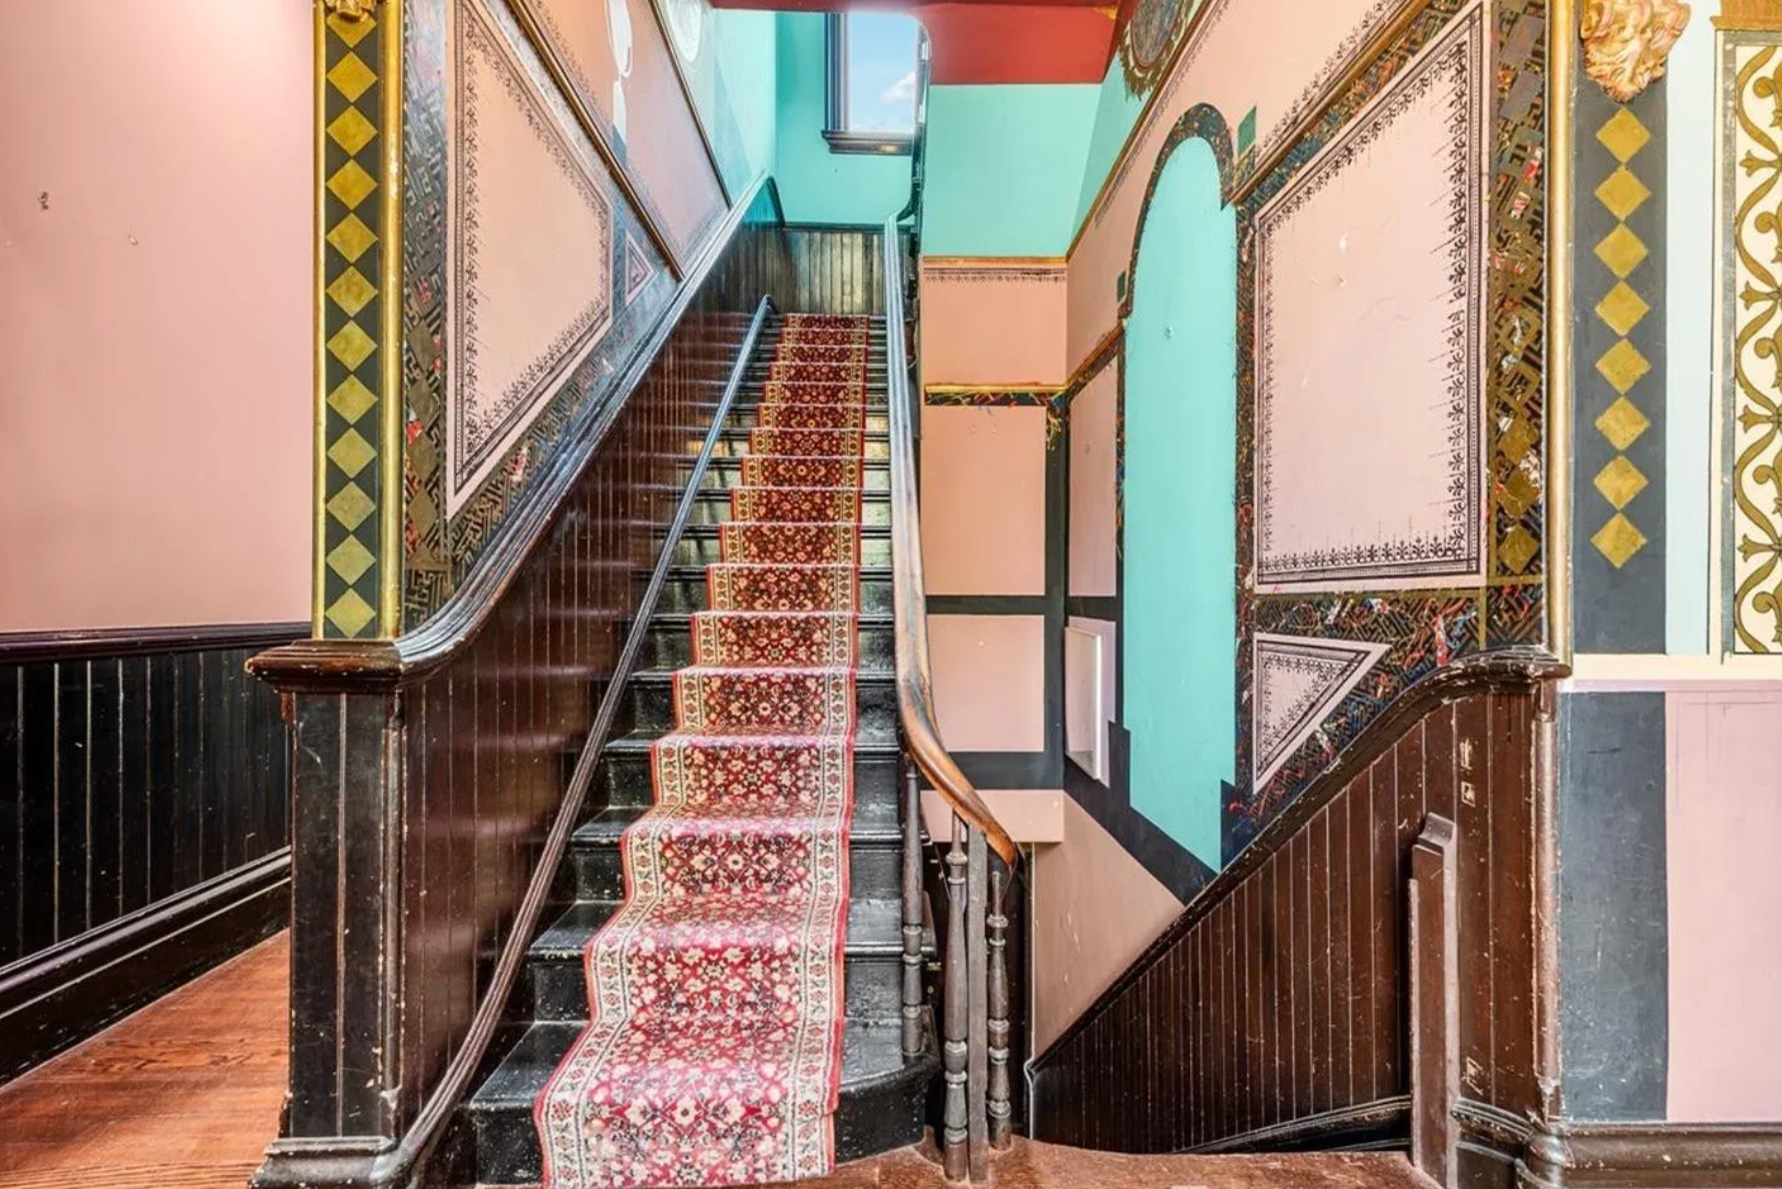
881	72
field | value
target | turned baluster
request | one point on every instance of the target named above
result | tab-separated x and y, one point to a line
1000	1110
912	915
954	1154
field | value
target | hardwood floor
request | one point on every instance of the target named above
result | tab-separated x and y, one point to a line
184	1094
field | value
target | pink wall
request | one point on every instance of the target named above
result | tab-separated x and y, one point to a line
1723	819
1093	496
984	500
993	322
989	681
1094	910
155	312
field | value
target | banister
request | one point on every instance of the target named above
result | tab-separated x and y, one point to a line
330	665
915	695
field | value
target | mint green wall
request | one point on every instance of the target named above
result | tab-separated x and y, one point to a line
740	107
1179	645
818	186
1116	110
1003	167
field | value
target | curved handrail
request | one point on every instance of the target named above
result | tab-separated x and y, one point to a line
915	695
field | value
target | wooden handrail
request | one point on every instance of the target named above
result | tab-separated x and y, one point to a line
915	694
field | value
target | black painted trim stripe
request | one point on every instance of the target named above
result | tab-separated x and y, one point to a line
987	604
1103	607
20	648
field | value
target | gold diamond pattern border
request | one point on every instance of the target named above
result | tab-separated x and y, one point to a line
1622	309
354	266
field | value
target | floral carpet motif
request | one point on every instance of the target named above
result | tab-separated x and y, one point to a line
713	1056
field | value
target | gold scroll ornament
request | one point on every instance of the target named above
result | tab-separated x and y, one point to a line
1626	42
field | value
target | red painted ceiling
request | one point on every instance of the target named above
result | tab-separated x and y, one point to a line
998	41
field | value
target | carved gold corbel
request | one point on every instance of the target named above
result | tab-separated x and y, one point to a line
1626	42
351	10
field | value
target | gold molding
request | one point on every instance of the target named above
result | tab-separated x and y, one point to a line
318	312
1562	66
1626	42
969	262
1758	16
391	498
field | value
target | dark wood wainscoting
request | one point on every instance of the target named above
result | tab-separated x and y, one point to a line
143	821
1275	1012
839	270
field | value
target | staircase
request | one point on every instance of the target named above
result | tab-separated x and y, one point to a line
884	1095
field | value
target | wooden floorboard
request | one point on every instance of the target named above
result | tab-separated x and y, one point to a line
183	1094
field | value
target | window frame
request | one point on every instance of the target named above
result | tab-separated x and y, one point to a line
835	121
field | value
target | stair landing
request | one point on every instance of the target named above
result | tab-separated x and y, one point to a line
1042	1166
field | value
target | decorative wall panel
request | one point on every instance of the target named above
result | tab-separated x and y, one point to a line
987	321
1750	318
529	278
1300	681
623	75
1368	325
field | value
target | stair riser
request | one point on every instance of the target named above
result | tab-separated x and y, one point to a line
700	551
625	777
874	871
672	647
877	421
557	988
714	508
737	445
868	1122
681	596
725	474
652	706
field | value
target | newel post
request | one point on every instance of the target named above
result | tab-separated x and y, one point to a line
1435	1001
342	704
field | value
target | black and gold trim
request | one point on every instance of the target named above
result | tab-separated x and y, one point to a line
358	563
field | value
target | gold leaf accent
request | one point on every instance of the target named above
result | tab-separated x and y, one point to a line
351	184
1621	192
351	238
351	345
1622	423
351	614
352	131
351	10
350	560
352	454
1618	540
351	399
1626	42
351	76
351	290
1621	251
351	506
1517	549
1623	366
1620	481
1622	308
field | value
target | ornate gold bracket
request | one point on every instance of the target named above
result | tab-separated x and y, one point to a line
1626	42
351	10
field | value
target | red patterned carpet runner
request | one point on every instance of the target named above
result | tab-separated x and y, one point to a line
713	1056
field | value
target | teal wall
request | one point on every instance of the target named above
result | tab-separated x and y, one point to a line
816	185
739	101
1116	111
1003	166
1179	647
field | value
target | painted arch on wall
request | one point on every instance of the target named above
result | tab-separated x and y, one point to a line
1178	482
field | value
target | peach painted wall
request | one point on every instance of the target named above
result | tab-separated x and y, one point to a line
155	312
1093	497
1031	816
1271	55
1094	910
989	681
984	500
625	72
985	323
1723	819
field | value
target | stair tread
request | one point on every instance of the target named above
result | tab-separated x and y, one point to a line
877	675
875	929
867	742
871	1050
604	828
682	621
